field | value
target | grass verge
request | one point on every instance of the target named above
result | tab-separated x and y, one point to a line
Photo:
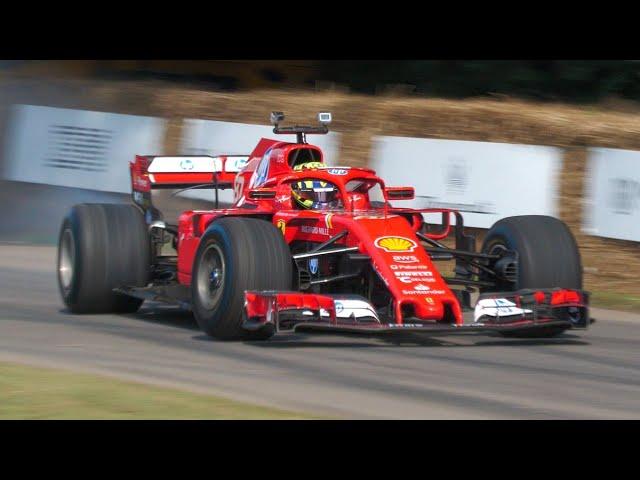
42	393
615	301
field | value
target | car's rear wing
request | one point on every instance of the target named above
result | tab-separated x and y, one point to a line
183	171
150	172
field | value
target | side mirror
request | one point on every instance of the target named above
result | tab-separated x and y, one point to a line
400	193
262	194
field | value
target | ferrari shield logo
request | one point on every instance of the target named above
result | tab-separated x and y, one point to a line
282	226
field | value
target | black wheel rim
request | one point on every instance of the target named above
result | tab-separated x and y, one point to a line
211	273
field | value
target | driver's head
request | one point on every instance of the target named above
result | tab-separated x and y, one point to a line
315	195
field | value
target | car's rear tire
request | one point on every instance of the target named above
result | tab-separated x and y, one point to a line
237	254
548	257
102	246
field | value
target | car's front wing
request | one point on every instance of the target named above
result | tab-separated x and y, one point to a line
494	312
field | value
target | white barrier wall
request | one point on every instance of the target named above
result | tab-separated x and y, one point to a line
78	148
612	196
212	137
485	181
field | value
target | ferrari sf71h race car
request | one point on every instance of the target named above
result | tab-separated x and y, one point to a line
308	247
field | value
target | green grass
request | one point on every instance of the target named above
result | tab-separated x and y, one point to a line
615	301
42	393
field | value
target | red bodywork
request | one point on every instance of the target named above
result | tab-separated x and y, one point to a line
384	233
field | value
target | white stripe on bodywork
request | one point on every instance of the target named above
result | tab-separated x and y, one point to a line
185	165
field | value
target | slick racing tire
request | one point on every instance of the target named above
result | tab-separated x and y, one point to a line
548	257
101	247
237	254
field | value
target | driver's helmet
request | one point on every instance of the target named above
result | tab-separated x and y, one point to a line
308	166
316	194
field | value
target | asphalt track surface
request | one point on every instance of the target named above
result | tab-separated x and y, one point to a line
593	374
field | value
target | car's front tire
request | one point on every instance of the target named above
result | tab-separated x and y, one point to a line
236	254
548	257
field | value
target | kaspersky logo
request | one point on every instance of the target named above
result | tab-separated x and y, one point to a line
395	244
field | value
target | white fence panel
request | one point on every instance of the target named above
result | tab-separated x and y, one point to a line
612	197
485	181
78	148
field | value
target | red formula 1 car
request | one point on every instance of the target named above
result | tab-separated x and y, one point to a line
307	247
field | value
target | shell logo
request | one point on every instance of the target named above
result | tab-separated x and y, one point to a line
282	226
395	244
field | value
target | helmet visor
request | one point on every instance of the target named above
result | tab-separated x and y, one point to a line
316	194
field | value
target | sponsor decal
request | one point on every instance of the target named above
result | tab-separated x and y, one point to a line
496	307
412	280
352	308
337	171
186	164
404	325
235	164
410	277
395	244
314	230
413	274
405	259
408	267
261	174
421	287
421	292
282	226
313	267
